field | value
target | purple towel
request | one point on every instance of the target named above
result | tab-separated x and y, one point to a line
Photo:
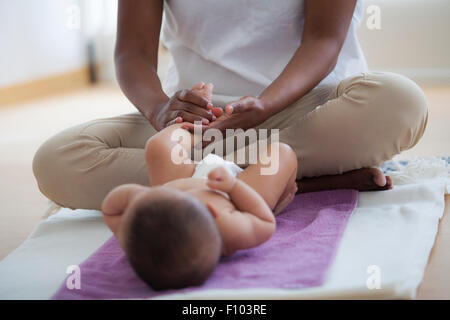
297	256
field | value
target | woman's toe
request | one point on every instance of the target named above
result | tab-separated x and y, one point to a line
378	177
389	182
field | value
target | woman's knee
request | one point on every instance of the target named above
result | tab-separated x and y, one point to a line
401	91
404	102
79	166
400	104
61	162
46	163
52	167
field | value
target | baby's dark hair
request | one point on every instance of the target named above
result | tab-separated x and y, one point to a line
172	243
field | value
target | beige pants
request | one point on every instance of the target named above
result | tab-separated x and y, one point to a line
365	120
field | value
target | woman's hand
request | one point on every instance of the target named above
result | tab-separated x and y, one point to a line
247	112
183	106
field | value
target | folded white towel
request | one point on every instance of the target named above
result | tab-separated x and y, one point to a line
418	169
390	234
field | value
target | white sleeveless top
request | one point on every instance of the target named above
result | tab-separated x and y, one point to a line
241	46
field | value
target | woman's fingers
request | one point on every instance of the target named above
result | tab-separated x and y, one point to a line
191	127
191	117
175	120
236	107
179	116
192	97
190	108
229	109
217	112
244	104
193	105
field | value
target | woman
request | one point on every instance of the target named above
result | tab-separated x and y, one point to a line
290	65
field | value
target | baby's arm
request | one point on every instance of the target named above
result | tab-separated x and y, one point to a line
253	223
242	195
116	202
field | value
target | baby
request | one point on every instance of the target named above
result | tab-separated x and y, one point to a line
175	231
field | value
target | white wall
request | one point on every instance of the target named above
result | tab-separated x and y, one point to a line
414	39
36	42
99	27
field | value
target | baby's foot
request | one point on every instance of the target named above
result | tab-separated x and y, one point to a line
205	90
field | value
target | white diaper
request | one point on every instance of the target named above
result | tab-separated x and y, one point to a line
212	161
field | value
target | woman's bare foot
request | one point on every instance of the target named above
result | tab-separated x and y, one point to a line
365	179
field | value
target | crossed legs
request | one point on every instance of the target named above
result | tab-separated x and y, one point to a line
368	119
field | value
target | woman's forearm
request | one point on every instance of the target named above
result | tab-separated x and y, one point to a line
136	53
312	62
325	29
139	81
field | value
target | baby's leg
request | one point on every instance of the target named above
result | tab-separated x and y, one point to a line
167	152
288	194
278	186
167	155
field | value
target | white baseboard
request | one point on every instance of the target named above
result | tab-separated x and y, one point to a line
426	76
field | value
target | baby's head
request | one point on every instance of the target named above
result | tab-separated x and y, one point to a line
170	239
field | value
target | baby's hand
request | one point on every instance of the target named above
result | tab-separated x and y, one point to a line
221	179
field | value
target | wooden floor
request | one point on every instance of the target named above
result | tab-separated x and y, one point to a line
23	127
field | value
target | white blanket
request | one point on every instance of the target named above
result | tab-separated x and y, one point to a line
388	238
